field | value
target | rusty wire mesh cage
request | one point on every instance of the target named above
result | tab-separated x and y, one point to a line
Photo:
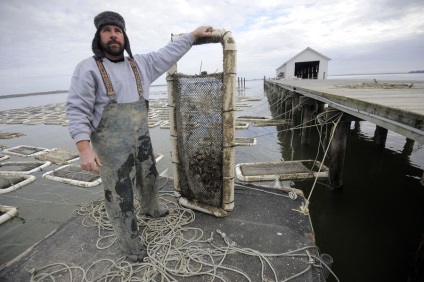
202	133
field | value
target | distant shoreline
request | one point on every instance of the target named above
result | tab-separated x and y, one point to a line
367	73
348	74
32	94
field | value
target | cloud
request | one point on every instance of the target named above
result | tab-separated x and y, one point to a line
42	41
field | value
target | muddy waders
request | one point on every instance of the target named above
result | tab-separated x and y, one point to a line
122	142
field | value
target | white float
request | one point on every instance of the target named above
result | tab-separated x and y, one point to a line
40	166
18	151
13	187
8	213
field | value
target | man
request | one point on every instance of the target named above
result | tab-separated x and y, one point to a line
107	108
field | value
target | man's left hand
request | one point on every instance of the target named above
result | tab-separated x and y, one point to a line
203	31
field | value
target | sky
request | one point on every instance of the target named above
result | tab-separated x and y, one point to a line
42	41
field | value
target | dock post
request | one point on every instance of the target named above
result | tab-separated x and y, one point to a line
281	101
320	107
337	149
357	126
308	107
422	179
408	148
296	110
380	136
288	104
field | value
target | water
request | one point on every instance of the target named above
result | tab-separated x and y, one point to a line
371	227
31	101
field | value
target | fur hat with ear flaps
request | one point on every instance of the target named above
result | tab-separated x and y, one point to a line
108	18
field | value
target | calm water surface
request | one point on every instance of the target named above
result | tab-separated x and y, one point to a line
371	227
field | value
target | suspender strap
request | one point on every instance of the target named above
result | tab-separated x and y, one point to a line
106	80
109	88
137	77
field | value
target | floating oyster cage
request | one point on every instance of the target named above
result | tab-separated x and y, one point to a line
23	167
74	175
245	141
165	125
263	121
154	123
252	118
33	122
272	122
241	125
245	99
201	108
10	182
3	157
26	151
284	170
58	156
47	114
243	105
7	212
9	135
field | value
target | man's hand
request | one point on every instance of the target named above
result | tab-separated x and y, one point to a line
202	31
88	158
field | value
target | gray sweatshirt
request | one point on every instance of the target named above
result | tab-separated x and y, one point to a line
87	95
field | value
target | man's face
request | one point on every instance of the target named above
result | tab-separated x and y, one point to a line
112	40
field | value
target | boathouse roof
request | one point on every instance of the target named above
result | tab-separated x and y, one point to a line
308	49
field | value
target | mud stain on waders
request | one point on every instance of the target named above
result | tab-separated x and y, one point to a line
145	152
123	186
108	195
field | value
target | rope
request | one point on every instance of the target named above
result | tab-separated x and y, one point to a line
305	205
175	250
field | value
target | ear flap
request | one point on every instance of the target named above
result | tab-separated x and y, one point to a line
96	47
127	45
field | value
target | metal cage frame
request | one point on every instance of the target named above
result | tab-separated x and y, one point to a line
228	120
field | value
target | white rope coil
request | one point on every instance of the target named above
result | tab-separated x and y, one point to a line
175	250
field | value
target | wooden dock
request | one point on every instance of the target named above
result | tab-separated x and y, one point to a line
397	106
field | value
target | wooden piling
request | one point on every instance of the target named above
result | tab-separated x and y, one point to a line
357	126
296	110
288	105
320	107
281	101
422	180
337	150
307	109
408	148
380	136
